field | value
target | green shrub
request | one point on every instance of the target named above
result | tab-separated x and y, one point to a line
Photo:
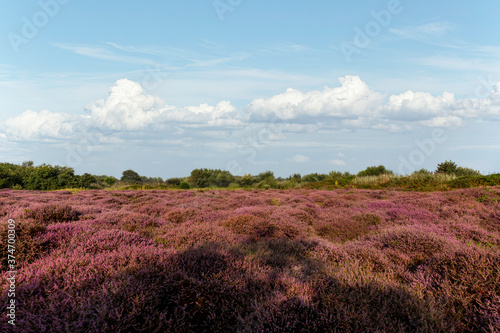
314	177
110	180
174	181
209	177
374	171
461	172
421	172
474	181
130	176
184	185
246	180
265	175
447	167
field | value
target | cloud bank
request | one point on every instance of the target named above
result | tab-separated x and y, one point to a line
351	105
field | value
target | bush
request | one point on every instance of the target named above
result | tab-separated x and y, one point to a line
47	177
10	175
130	176
208	177
474	181
246	180
421	172
314	177
52	214
110	180
447	167
174	181
184	185
374	171
461	172
86	180
265	175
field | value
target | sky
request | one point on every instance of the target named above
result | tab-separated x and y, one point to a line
165	87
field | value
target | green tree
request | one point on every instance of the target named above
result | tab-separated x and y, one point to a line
10	175
246	180
184	185
374	171
174	181
447	167
296	177
461	172
130	176
86	180
43	177
110	180
210	177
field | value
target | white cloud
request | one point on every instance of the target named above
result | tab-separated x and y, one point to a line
126	108
338	162
31	125
129	108
355	105
352	105
424	31
352	98
300	159
448	121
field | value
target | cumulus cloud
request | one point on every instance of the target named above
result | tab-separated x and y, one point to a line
31	125
126	108
129	108
352	98
355	105
351	105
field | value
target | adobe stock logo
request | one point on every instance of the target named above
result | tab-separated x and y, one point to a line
221	7
30	27
425	148
373	28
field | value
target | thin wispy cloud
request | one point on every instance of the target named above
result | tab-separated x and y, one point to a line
104	54
424	32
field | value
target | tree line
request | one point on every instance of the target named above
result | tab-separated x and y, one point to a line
47	177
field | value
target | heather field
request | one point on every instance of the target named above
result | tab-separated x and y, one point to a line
254	260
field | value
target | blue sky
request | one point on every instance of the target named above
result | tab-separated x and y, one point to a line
164	87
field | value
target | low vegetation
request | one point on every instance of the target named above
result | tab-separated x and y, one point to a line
251	260
45	177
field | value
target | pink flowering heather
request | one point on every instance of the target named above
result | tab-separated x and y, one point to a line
253	261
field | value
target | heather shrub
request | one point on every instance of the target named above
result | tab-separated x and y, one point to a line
408	240
345	260
375	306
342	228
181	215
47	214
30	244
467	285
